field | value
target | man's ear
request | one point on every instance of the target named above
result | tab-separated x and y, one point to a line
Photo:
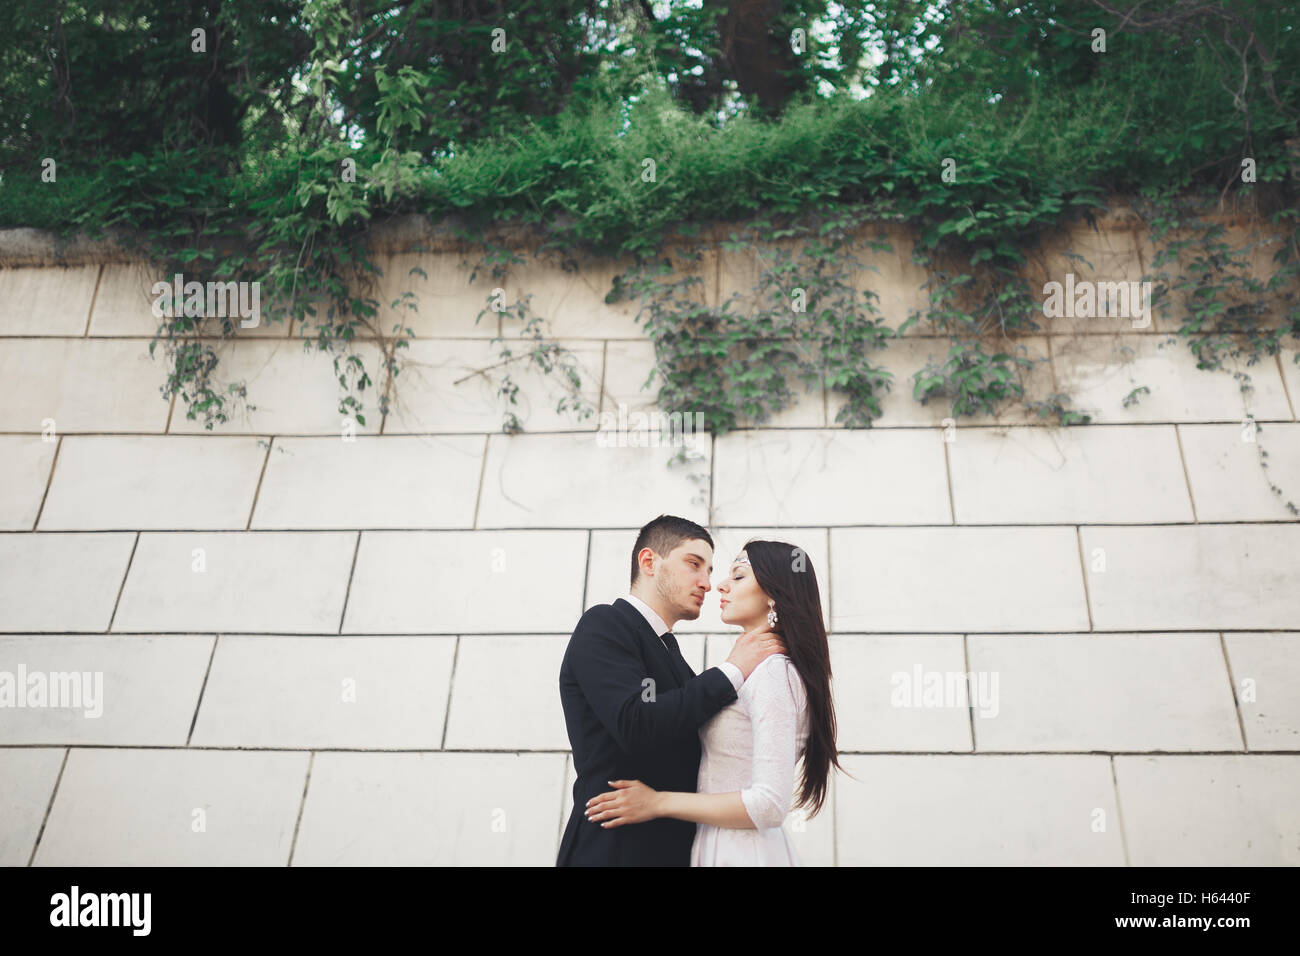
645	559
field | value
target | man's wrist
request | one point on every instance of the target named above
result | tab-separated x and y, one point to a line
733	674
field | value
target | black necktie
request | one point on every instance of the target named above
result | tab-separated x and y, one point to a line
675	656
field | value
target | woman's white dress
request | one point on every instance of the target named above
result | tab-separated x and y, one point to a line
752	745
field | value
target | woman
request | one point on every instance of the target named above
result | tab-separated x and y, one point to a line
749	749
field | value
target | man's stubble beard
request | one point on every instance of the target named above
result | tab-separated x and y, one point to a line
667	586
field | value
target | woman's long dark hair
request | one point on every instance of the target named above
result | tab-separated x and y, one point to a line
786	575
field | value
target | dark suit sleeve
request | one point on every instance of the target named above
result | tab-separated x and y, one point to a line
607	667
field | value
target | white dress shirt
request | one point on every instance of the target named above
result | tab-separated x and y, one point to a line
731	670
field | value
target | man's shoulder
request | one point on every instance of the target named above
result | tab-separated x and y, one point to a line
598	615
600	624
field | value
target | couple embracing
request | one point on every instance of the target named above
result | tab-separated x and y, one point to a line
679	769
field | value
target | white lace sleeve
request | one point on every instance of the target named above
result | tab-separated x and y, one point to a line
778	698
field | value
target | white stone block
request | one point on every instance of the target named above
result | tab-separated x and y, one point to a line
289	390
1213	810
979	810
419	481
46	301
237	581
1100	371
61	582
1102	692
467	582
603	483
929	580
1193	577
505	694
830	477
326	693
1228	475
880	692
153	482
1265	675
25	462
456	386
119	807
137	690
81	385
431	809
29	774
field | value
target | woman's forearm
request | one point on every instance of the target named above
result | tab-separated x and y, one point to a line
715	809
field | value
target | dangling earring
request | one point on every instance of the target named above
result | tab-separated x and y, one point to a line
771	615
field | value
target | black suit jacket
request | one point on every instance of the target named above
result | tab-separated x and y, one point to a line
618	734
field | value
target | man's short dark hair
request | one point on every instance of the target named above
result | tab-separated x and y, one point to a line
662	535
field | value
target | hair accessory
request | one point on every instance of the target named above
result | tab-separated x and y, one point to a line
742	558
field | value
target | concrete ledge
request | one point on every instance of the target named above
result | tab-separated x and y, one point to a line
21	247
43	247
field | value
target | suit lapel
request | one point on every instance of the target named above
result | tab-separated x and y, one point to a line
649	639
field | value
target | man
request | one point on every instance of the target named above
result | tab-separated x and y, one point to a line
633	706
